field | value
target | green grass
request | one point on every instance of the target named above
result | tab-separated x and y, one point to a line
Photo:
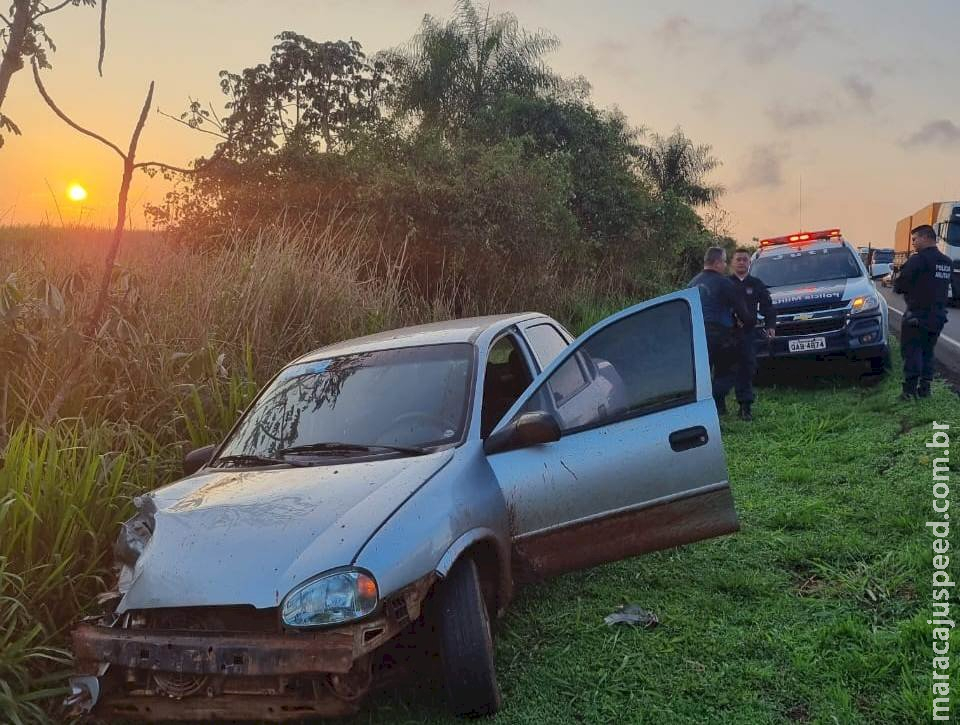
814	612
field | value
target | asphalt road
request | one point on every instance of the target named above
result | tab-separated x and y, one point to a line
948	347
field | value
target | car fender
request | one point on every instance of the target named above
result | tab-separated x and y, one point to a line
482	535
460	507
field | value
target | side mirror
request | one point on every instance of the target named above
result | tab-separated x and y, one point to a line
879	275
197	459
529	429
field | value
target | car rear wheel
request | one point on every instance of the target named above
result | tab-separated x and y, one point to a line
466	645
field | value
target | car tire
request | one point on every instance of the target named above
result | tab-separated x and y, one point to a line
466	643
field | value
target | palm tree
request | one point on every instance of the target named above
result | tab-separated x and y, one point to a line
452	69
676	165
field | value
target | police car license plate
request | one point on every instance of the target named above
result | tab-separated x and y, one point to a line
813	343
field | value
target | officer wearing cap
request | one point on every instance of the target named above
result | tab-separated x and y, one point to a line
756	298
923	281
723	311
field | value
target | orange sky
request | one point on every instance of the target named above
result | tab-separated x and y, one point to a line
858	98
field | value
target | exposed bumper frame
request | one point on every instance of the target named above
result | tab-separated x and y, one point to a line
332	651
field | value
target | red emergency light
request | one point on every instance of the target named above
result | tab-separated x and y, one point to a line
801	237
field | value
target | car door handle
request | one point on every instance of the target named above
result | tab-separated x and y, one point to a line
687	438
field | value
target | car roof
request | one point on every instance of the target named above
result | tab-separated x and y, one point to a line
466	329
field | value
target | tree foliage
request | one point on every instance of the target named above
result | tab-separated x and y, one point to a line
463	151
453	69
309	93
676	165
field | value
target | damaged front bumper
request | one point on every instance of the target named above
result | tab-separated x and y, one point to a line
163	674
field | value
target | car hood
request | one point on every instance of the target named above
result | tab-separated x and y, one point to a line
810	294
228	537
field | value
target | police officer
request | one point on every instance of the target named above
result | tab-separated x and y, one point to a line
923	281
756	297
723	311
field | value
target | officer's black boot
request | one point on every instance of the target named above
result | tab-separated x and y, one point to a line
909	390
923	389
721	405
745	412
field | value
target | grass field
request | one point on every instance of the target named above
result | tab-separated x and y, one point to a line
814	612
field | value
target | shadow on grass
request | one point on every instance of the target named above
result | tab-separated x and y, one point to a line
815	374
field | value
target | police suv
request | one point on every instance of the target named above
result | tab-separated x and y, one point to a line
825	300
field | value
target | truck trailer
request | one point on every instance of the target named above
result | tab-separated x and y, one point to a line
944	217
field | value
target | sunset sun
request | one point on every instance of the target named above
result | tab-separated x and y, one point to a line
75	192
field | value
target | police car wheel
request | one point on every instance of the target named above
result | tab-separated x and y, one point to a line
879	365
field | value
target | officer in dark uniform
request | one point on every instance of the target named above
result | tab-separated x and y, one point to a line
923	281
723	311
756	298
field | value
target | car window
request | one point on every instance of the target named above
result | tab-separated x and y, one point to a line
882	256
404	397
546	341
800	266
643	362
506	377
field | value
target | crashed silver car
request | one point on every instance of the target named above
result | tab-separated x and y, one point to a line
401	485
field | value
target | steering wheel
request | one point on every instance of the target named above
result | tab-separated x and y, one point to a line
432	421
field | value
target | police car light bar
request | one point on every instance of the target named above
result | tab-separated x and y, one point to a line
802	237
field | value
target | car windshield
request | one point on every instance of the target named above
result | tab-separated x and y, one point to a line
800	266
952	233
409	397
882	256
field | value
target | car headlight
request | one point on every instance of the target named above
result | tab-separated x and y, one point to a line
864	303
330	599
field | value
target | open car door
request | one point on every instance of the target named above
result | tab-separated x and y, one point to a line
639	465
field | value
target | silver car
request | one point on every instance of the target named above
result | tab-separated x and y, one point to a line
399	486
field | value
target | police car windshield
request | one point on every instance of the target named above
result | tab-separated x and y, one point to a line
792	266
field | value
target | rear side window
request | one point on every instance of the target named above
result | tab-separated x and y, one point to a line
546	341
801	266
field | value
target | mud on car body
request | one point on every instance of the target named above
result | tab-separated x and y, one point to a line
394	489
825	300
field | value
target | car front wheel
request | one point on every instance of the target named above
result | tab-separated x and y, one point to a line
466	644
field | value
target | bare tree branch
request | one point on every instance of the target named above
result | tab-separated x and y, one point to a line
66	119
4	19
190	126
52	10
103	35
103	294
166	167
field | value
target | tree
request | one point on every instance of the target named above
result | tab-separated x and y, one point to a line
24	38
676	165
310	93
600	149
452	70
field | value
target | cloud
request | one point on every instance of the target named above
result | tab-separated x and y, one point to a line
782	29
942	132
795	117
860	90
677	32
763	169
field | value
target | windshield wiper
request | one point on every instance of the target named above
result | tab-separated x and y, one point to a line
338	447
250	458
